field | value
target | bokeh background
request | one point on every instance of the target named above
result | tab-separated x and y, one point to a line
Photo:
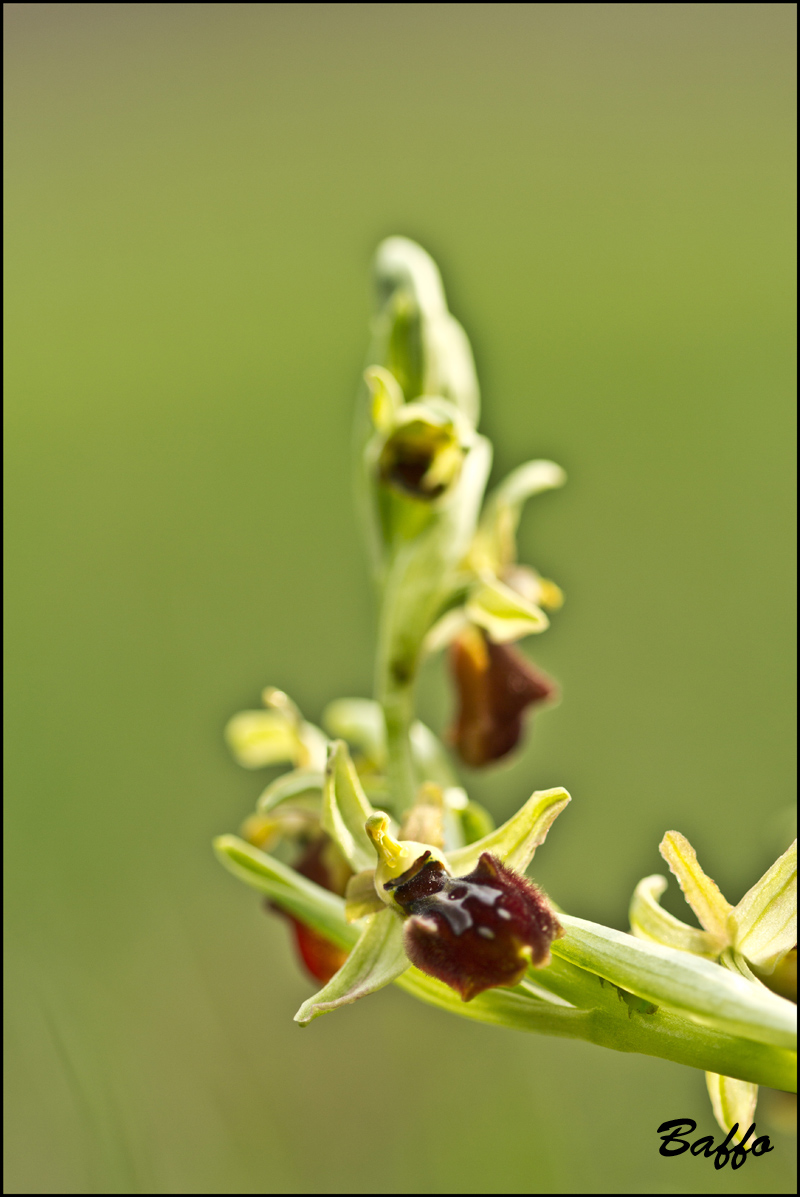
194	192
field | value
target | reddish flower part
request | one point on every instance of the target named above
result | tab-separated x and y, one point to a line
495	686
323	864
478	931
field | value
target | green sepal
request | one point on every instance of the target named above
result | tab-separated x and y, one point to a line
377	959
733	1101
318	908
702	894
763	927
345	808
515	842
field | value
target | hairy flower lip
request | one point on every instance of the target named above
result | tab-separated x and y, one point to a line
475	932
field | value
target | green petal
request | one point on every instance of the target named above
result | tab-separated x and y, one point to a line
688	985
345	809
702	894
515	842
650	921
315	906
377	959
502	612
289	785
763	926
732	1101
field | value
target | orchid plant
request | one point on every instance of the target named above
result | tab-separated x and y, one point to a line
369	845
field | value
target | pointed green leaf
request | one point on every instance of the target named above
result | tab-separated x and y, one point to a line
515	842
732	1101
289	785
764	924
377	959
345	809
502	612
702	894
650	921
689	985
307	901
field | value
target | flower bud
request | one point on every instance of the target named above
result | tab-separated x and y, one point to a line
495	685
421	457
474	932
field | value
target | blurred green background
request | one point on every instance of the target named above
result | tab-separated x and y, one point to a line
194	192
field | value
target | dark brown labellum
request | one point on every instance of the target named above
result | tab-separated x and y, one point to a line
478	931
495	686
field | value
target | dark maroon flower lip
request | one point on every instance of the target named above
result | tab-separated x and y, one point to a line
495	685
474	932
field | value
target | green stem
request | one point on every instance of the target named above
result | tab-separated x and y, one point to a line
660	1034
400	633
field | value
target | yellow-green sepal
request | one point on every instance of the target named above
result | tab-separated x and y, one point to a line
515	842
732	1101
763	926
346	808
377	959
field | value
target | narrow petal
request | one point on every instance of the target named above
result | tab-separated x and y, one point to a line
732	1101
377	959
764	924
258	738
345	808
650	921
515	842
700	891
